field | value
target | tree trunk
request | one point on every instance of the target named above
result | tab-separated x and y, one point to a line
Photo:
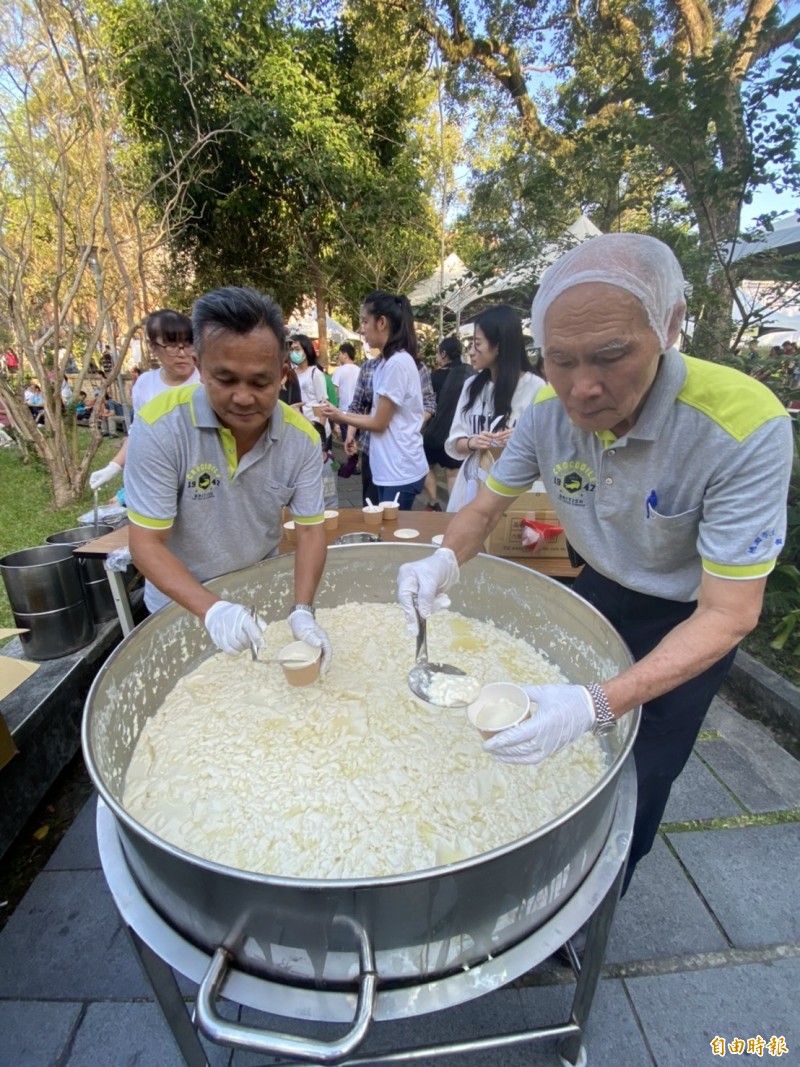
322	310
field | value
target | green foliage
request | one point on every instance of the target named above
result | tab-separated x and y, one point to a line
314	186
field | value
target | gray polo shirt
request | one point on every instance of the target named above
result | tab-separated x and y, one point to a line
699	483
182	474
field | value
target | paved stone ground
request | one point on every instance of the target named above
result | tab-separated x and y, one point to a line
706	943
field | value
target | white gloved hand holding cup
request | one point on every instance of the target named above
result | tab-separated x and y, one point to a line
560	714
306	628
232	628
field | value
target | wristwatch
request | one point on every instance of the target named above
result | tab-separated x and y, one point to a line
303	607
605	719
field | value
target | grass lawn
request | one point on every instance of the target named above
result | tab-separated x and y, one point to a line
27	514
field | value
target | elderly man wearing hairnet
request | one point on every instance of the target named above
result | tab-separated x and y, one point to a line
669	475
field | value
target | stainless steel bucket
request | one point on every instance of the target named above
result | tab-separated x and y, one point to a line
95	580
420	925
46	593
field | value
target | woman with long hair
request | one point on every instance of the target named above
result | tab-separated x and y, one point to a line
492	401
313	389
397	458
448	381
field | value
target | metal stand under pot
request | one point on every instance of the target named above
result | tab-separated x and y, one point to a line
161	948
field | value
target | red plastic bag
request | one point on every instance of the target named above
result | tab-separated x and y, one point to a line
536	534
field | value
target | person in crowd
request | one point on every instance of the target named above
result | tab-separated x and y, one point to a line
345	377
169	339
396	466
448	381
211	467
290	387
313	387
492	401
669	475
106	362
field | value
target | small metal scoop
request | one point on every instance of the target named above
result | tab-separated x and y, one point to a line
421	674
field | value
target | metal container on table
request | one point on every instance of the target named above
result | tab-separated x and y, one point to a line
46	592
420	925
95	580
113	515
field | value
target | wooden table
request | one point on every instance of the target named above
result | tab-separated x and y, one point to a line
351	520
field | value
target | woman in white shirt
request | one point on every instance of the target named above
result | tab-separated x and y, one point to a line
492	401
313	388
396	455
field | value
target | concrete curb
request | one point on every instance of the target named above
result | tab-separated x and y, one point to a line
763	695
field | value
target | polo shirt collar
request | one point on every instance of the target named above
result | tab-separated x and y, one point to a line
668	383
205	418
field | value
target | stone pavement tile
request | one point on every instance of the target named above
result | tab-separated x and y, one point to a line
613	1036
776	767
131	1035
67	941
682	1013
745	772
78	848
35	1033
698	795
749	878
661	915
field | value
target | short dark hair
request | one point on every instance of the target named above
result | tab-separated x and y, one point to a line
172	327
348	349
237	310
452	348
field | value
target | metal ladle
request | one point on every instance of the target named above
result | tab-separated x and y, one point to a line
422	673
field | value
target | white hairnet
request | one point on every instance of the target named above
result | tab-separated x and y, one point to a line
645	266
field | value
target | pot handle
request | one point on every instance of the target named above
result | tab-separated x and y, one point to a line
268	1042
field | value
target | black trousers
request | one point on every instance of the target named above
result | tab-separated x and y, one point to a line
670	724
368	488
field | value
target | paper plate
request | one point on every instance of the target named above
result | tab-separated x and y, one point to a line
437	539
406	535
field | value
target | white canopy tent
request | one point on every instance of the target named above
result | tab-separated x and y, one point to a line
784	238
310	327
464	289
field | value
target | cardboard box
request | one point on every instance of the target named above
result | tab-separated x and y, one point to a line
13	672
506	538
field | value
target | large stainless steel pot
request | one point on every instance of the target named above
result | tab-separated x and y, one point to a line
420	925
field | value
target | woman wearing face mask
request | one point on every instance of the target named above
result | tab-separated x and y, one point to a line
313	389
397	458
492	401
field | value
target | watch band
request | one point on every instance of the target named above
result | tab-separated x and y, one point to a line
303	607
604	716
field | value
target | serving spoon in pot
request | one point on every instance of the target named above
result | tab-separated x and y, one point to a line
422	676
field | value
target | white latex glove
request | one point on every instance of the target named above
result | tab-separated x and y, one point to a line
427	582
306	628
564	713
105	474
232	628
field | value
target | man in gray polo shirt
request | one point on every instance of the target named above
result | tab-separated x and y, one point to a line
211	467
670	477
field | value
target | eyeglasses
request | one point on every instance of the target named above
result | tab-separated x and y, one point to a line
184	346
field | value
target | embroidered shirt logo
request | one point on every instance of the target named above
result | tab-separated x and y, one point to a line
202	480
572	481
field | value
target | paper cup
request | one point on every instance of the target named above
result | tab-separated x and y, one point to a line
390	510
497	707
288	531
331	520
300	662
318	410
373	516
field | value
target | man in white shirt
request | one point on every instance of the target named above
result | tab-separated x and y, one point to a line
344	378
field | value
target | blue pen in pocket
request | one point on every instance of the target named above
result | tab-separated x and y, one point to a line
651	503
